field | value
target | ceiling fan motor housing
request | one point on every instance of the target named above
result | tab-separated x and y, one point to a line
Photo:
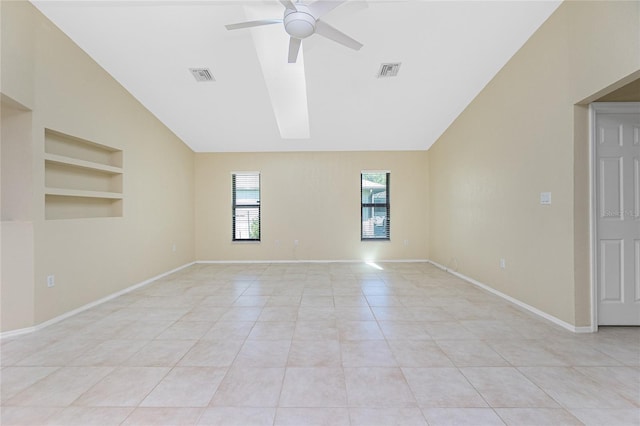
299	23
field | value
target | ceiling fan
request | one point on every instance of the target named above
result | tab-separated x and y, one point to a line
302	20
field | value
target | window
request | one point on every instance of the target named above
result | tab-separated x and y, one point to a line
246	206
374	187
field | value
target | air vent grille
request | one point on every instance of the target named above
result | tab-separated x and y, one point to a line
389	70
202	74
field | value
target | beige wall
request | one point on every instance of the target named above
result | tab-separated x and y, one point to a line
521	136
90	258
16	210
313	198
18	44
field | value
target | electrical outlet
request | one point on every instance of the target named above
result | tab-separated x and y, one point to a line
173	247
295	243
51	280
406	242
503	264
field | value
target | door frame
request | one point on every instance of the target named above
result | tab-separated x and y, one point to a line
596	108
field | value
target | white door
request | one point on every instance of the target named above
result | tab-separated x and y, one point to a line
617	199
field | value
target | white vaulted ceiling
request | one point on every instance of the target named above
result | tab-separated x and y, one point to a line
449	51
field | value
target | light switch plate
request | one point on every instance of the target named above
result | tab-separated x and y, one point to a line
545	198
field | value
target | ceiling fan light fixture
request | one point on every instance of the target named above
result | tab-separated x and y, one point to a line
299	24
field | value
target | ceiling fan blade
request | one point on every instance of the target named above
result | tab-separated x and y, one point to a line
322	7
289	4
338	36
294	47
250	24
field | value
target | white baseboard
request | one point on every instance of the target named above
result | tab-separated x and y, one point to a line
89	305
517	302
222	262
17	332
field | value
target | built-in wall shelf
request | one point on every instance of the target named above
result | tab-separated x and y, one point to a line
81	193
83	179
74	162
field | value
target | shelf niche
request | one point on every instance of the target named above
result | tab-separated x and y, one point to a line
83	179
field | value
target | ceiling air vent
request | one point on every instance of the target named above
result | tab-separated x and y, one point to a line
389	70
202	74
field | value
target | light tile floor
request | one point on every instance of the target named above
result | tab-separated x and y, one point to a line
317	344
